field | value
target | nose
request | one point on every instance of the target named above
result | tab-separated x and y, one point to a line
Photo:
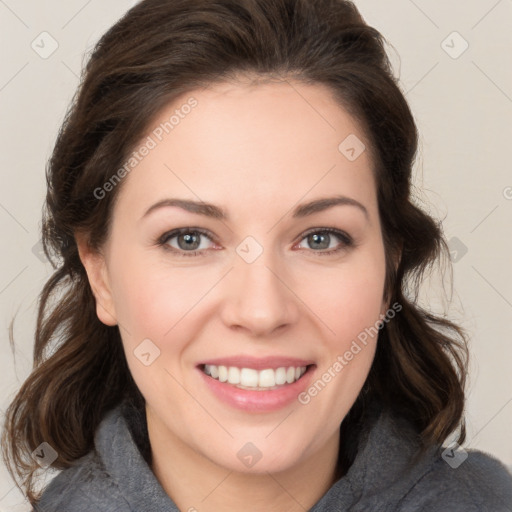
259	298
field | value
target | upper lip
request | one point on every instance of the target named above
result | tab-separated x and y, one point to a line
258	363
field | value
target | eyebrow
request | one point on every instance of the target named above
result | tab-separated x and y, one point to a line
216	212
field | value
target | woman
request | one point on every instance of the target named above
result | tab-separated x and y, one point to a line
237	260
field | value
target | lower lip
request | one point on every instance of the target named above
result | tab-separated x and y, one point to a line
258	401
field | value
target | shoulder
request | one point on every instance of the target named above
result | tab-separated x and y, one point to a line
82	487
469	481
389	474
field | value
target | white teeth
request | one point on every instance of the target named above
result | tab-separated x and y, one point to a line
280	376
233	375
248	378
223	373
214	372
267	379
251	378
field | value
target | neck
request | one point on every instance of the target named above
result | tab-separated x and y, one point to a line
196	483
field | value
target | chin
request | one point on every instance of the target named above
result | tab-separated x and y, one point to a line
259	457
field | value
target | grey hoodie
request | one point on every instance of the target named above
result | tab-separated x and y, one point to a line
116	477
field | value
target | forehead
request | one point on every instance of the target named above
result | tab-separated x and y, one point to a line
252	144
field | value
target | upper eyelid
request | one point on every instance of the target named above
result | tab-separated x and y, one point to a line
176	232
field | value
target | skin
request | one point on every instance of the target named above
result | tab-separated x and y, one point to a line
256	151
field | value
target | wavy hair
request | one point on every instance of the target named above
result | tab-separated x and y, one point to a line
157	51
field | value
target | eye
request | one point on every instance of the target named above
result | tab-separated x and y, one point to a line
322	238
187	241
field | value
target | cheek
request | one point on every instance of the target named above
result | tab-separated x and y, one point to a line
151	296
152	305
349	298
349	309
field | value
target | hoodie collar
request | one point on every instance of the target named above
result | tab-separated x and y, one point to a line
380	474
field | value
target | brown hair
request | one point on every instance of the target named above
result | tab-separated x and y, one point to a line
161	49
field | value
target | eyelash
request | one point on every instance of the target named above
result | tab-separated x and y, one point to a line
346	240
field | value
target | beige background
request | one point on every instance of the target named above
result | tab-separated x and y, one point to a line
462	101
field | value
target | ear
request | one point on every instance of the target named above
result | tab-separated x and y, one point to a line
97	273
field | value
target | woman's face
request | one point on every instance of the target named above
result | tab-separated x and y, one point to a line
258	294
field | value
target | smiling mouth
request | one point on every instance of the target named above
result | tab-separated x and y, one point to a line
255	380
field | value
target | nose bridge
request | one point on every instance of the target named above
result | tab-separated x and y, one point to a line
260	300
